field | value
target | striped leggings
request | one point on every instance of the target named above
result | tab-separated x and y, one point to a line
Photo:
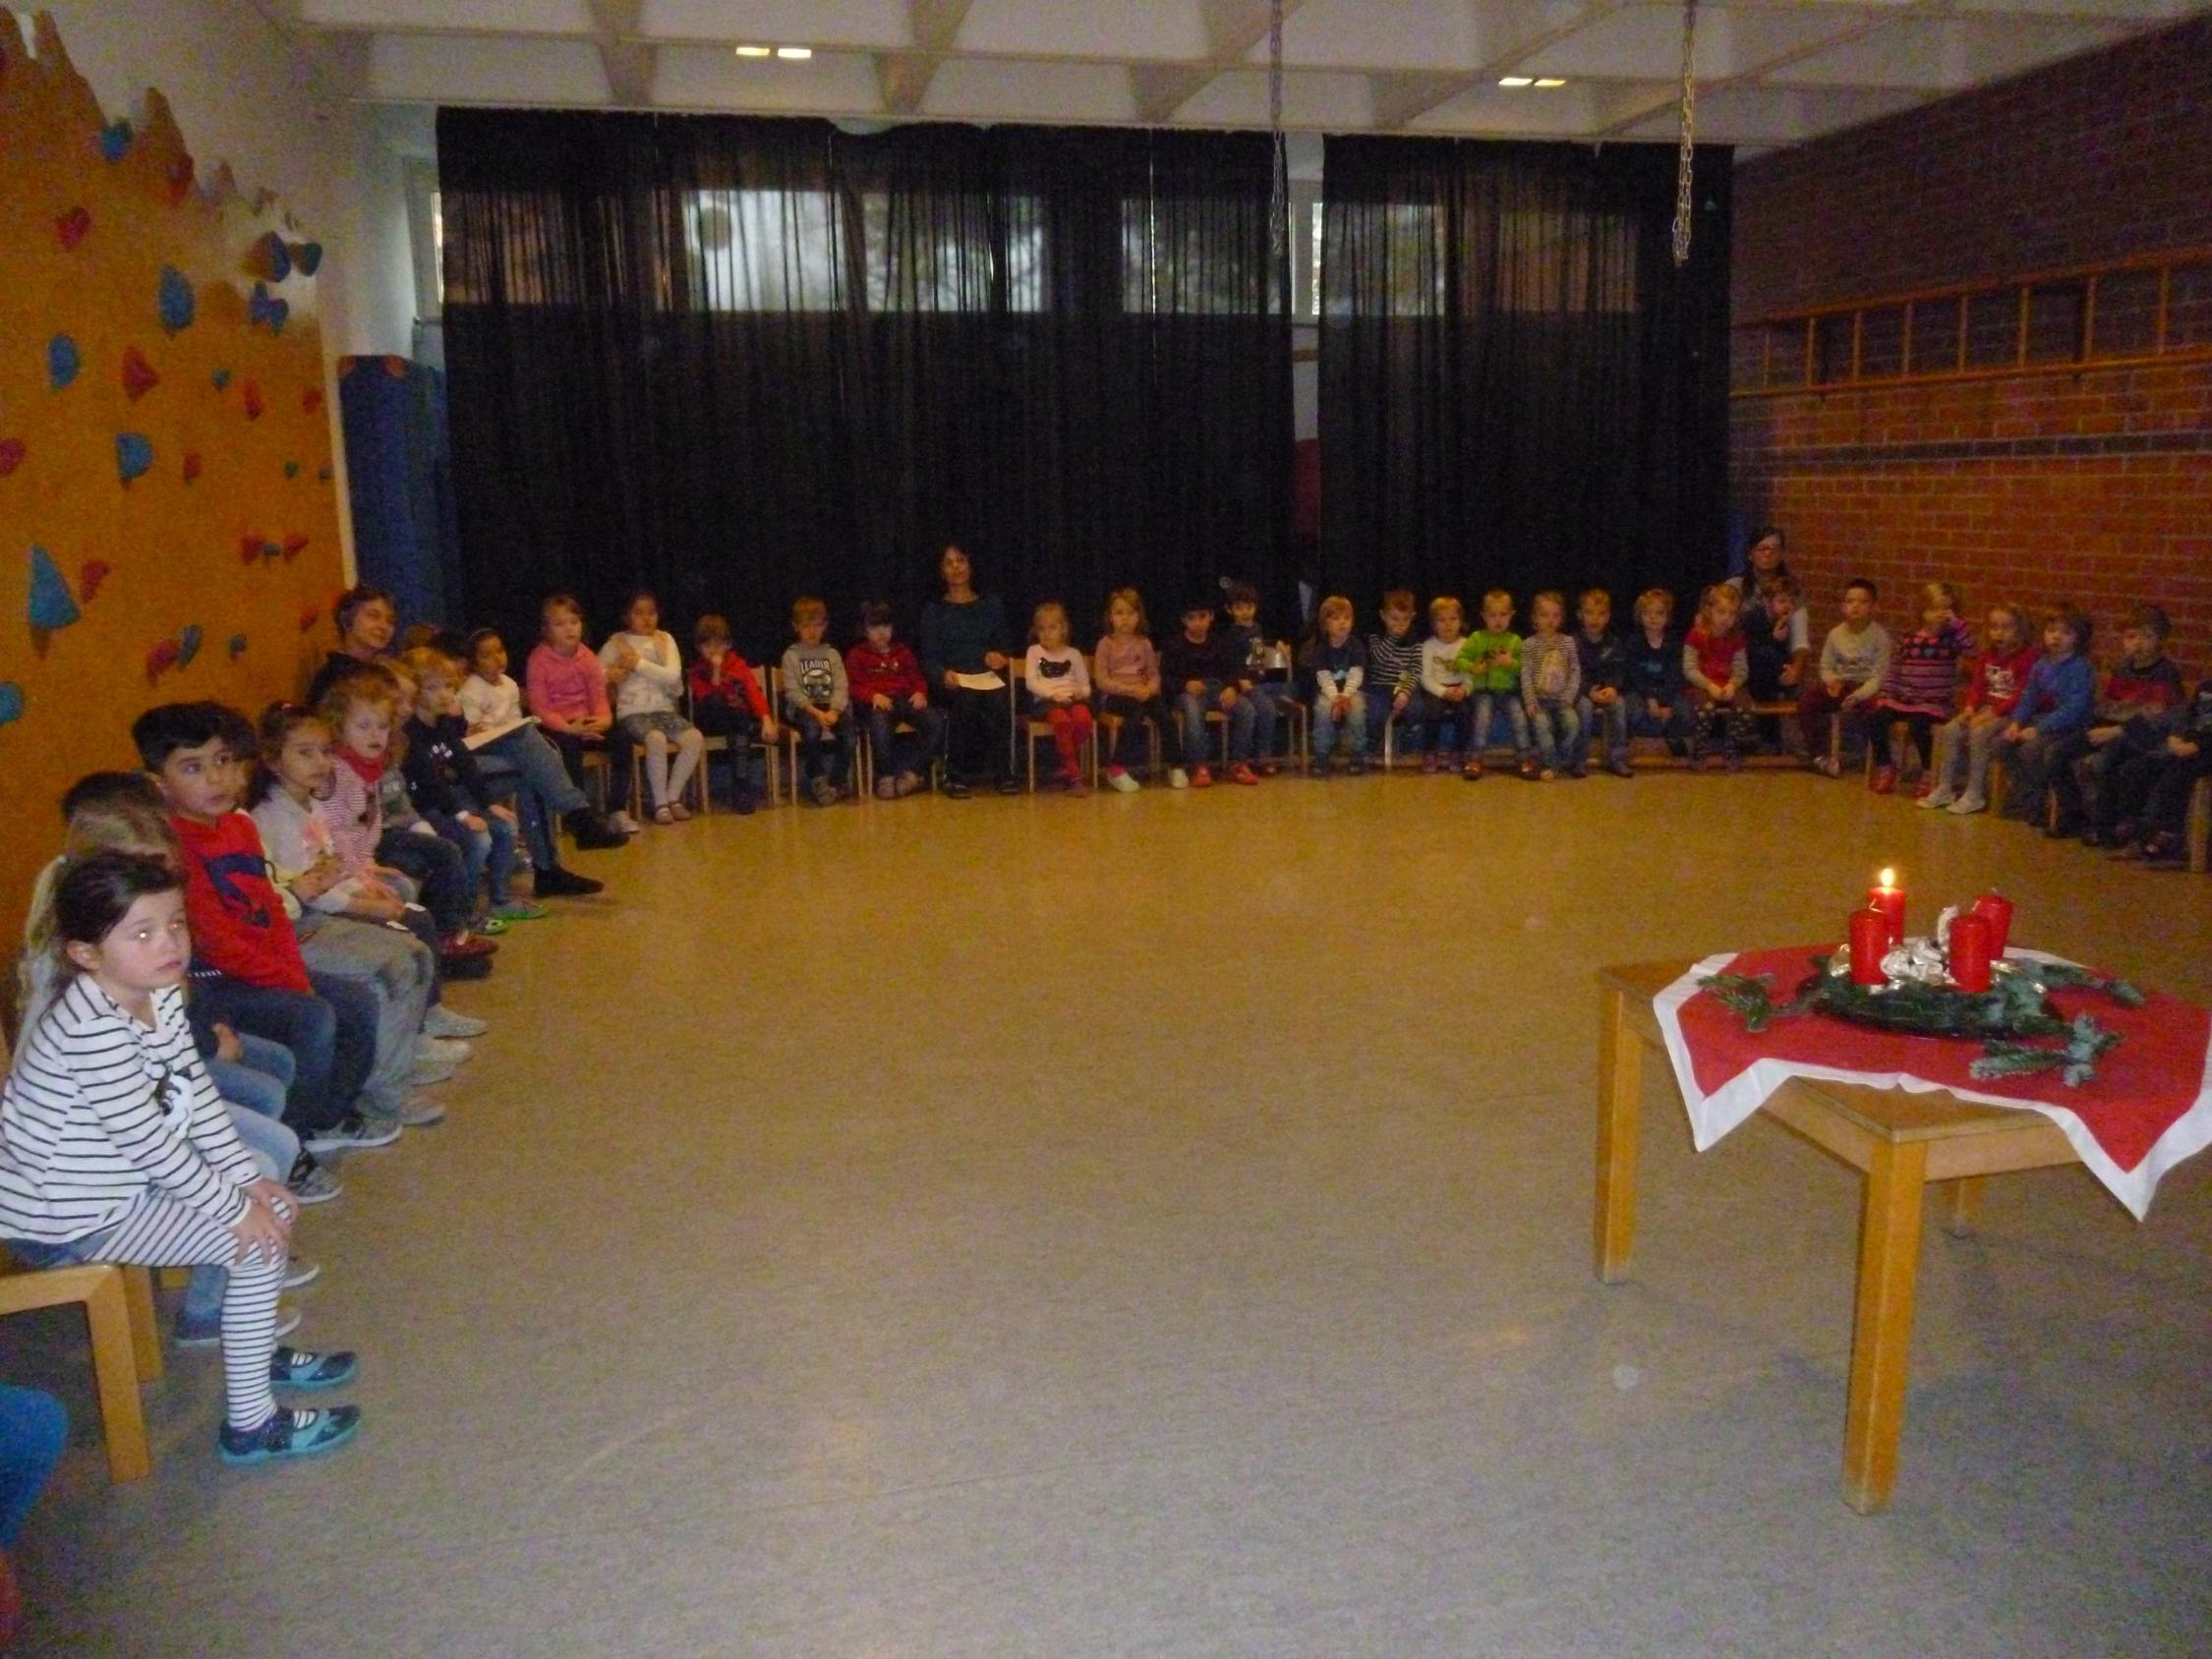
159	1231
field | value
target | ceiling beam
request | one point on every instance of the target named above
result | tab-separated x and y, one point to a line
1524	28
933	26
627	60
1233	28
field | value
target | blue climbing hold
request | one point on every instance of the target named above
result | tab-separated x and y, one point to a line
262	308
177	304
52	606
221	379
291	469
277	259
308	256
11	702
134	454
62	361
115	140
188	644
237	647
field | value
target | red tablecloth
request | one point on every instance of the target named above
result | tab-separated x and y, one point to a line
2149	1107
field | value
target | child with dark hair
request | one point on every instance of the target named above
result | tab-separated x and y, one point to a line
2132	718
886	686
1837	705
1604	706
2145	804
726	702
1264	680
1777	635
1200	669
508	745
645	673
115	1148
1393	683
2053	710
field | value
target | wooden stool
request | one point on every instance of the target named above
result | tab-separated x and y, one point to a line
126	1345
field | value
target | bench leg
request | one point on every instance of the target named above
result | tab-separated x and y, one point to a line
1621	1106
1882	1328
115	1377
146	1323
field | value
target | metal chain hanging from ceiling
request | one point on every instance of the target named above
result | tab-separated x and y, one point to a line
1686	168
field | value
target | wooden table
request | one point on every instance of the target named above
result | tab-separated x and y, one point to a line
1898	1141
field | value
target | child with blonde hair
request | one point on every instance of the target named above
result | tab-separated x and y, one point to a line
1492	659
1059	685
1127	676
448	790
1921	687
2001	673
1551	683
1716	665
567	685
1338	664
818	704
1447	691
645	670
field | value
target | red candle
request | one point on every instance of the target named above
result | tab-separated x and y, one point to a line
1888	898
1996	910
1971	937
1870	943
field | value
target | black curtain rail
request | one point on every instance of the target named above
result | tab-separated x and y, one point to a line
740	360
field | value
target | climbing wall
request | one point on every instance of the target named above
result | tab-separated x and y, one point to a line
169	526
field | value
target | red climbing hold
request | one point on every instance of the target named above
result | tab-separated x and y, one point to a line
310	616
139	376
294	545
89	578
161	659
249	547
253	400
191	464
72	227
176	182
311	400
12	452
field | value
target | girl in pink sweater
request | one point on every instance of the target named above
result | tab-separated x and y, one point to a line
567	687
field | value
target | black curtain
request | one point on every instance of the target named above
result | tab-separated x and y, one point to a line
737	359
1517	388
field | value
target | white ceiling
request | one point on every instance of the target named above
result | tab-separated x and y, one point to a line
1771	72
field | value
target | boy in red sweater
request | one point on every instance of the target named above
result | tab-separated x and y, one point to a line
2000	672
726	702
889	691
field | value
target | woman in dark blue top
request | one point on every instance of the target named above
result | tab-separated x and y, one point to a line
965	633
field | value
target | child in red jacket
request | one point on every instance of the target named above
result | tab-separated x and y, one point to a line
888	692
726	702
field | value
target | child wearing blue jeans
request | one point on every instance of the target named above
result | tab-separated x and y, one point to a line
1200	669
450	790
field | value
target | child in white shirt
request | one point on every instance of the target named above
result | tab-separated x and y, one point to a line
1059	682
645	676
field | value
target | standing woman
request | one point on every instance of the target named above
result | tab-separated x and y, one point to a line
965	633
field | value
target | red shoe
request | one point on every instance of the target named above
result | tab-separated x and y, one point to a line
1925	787
475	945
1269	768
1202	778
1885	780
1240	772
1430	763
1474	771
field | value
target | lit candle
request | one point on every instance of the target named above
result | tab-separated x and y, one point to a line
1870	943
1970	935
1996	910
1888	898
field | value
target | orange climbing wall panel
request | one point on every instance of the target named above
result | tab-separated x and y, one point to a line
168	527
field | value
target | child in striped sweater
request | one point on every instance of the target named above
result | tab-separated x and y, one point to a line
1393	683
1921	686
115	1148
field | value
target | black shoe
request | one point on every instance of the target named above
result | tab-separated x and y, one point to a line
955	790
1010	786
2065	829
453	968
592	831
2095	837
557	882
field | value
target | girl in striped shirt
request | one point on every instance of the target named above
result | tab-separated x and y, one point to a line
115	1148
1921	687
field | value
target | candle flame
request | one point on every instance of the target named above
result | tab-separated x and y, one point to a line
1889	878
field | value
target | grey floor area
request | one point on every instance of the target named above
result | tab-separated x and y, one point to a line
1160	1226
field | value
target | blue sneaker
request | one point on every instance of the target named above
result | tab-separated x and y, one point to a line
290	1434
303	1368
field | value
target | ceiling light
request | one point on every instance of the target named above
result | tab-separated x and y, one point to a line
752	51
795	51
1515	81
1549	80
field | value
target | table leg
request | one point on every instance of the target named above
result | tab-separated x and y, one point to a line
1882	1329
1620	1104
1962	1205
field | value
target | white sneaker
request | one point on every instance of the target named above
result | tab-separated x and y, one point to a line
1967	804
428	1046
442	1021
628	825
1179	779
1936	800
428	1068
299	1271
420	1111
1122	780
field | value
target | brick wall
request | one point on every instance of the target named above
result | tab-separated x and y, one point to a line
2095	485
